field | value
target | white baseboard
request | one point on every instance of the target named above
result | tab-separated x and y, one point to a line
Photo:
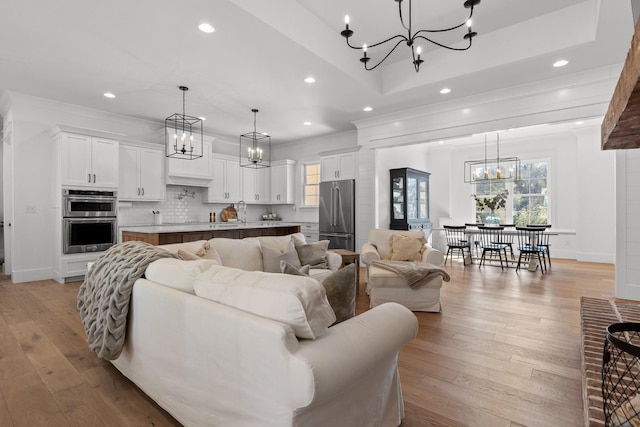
21	276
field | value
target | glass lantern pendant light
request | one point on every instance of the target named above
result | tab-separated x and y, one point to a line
183	134
255	147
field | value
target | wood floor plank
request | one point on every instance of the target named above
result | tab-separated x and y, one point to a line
83	406
134	407
30	403
55	370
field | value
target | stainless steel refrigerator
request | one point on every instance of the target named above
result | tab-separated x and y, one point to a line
337	222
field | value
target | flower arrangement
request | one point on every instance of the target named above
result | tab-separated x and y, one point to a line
496	202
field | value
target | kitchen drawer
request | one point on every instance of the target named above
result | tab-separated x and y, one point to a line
310	231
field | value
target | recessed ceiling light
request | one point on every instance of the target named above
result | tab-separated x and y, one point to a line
440	142
445	90
309	80
202	118
579	123
109	95
307	123
367	109
206	28
560	63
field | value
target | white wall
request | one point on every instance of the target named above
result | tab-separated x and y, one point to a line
627	225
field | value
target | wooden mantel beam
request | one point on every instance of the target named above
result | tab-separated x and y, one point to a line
621	125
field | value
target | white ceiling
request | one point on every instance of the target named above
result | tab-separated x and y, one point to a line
75	50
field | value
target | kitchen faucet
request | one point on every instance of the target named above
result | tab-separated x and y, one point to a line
242	205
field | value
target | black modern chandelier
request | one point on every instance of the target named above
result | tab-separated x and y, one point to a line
183	134
412	38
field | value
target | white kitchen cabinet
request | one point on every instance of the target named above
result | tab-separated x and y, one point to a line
141	174
225	186
194	172
338	166
255	185
88	161
283	182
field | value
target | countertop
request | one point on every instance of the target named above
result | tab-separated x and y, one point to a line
203	226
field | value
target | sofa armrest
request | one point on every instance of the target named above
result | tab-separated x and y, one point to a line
358	347
432	256
334	261
368	254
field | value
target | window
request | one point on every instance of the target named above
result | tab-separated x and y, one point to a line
530	199
311	184
522	202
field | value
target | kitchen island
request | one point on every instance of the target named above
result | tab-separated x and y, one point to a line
189	232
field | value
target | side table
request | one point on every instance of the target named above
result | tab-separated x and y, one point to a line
350	257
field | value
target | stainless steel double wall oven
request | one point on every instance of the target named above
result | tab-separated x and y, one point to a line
89	222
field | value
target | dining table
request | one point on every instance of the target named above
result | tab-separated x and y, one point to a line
476	248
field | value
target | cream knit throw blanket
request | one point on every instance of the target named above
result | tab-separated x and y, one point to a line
414	274
103	299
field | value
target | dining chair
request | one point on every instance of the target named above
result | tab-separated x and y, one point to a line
508	239
489	241
529	239
544	241
457	241
476	242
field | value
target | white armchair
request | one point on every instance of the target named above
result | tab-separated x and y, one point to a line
386	286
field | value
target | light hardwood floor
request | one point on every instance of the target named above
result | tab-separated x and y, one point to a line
504	351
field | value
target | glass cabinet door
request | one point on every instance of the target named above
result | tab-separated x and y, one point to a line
412	198
398	197
423	199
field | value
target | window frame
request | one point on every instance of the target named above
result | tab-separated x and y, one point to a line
304	185
509	212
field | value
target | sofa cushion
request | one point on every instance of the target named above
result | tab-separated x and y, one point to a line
314	254
279	242
272	257
340	287
286	268
176	273
405	248
300	302
244	254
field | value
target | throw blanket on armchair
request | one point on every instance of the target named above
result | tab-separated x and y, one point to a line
413	273
103	299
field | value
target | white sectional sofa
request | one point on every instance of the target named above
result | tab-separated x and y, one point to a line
220	346
248	254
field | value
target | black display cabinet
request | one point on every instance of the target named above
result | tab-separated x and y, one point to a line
410	200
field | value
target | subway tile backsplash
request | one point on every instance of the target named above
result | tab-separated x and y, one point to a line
183	204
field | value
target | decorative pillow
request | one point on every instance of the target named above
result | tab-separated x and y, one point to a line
188	256
272	257
406	248
300	302
341	292
314	254
176	273
286	268
209	252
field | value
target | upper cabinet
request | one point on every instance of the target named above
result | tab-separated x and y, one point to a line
283	182
88	161
142	175
225	186
191	172
338	166
255	185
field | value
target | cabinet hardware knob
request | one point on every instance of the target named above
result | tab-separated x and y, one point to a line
89	178
143	191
